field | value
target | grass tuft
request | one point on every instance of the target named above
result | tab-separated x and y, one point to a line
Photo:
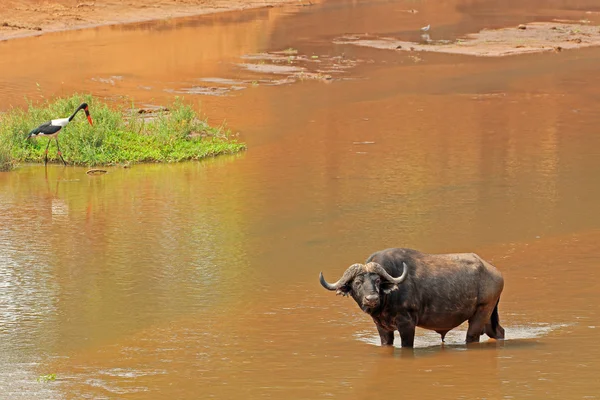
46	378
118	135
6	160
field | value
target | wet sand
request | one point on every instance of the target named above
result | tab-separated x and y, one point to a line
20	18
536	37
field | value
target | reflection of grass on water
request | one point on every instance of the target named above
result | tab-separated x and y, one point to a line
118	135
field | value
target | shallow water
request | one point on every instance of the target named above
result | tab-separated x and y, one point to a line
199	280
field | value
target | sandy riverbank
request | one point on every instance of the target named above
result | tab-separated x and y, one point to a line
526	38
19	18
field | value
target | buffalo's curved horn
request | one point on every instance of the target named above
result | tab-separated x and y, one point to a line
377	268
348	275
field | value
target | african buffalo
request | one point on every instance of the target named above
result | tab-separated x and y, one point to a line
404	288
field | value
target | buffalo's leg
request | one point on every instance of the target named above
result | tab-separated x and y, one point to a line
407	335
387	337
497	334
478	322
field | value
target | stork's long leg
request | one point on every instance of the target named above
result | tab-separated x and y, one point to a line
59	152
46	155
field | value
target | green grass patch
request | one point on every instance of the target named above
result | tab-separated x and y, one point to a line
46	378
119	134
6	161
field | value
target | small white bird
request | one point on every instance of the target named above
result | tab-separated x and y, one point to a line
426	28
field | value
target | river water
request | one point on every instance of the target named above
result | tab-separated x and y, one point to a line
200	280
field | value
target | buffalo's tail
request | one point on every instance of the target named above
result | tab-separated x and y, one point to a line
495	318
496	331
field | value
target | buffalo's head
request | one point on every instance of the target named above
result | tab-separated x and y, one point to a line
366	284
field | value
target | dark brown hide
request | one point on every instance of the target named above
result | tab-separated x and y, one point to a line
438	292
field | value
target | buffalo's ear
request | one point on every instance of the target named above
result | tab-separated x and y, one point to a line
343	290
388	287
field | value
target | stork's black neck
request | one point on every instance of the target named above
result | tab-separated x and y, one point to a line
82	106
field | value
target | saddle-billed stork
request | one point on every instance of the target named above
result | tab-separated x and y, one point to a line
51	129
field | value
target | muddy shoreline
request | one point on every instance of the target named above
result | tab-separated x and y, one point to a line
537	37
24	18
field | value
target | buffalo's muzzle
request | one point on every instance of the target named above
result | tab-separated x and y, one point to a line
371	300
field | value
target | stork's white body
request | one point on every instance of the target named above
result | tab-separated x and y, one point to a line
60	122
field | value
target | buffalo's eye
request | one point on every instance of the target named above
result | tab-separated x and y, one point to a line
377	281
358	282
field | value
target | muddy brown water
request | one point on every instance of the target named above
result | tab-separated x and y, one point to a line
199	280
